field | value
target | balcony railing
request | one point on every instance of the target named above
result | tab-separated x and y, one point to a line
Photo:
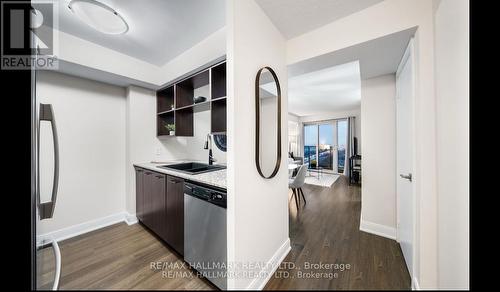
325	160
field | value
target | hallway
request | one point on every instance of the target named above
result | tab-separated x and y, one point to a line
326	231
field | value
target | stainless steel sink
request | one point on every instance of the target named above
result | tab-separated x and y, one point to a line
193	167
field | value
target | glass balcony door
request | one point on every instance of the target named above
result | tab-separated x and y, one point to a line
325	145
320	149
310	145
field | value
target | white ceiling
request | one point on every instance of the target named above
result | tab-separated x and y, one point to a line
335	88
332	82
296	17
159	30
376	57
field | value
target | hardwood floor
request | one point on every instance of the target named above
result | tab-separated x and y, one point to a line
326	230
117	257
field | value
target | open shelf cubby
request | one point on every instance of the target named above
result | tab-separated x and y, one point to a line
218	116
184	94
165	99
219	81
209	82
162	121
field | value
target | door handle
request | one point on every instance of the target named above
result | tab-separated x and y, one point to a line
46	210
408	176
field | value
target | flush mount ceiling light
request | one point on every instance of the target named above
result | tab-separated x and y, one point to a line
99	16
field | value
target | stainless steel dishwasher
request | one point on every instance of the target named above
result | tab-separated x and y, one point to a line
205	231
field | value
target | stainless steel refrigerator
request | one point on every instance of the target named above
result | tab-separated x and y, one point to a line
45	254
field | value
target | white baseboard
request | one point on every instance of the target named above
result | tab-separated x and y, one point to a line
78	229
378	229
131	219
272	265
415	285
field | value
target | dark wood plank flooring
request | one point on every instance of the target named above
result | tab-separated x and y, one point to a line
326	230
117	257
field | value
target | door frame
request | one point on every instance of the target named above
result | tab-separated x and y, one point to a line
410	54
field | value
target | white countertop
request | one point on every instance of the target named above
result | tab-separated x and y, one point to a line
214	178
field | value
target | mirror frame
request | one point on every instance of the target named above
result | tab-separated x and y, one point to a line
257	123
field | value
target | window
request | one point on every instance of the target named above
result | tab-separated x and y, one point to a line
325	145
293	138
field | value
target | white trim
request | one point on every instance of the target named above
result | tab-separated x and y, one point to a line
415	285
131	219
78	229
272	265
408	53
378	229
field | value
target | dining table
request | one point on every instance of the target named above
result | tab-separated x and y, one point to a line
291	168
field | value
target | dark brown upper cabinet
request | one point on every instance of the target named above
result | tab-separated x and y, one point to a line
185	89
176	102
219	81
165	100
218	116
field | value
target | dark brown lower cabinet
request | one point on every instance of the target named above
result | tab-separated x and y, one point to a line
160	206
158	190
175	213
147	211
139	193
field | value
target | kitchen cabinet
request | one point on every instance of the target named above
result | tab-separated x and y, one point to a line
139	193
158	212
147	212
175	213
160	206
175	103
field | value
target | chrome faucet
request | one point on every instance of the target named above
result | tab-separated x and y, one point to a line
208	145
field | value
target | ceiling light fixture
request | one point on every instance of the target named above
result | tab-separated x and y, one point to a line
99	16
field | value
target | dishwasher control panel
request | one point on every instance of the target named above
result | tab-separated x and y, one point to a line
210	194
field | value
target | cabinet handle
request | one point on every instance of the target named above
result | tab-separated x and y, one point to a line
175	181
159	176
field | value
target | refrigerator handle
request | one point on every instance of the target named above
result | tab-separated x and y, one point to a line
46	210
57	254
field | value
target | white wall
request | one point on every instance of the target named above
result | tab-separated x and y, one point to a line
209	49
452	95
90	118
257	207
378	129
144	146
115	65
82	52
384	18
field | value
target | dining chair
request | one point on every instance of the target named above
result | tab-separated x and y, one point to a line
296	183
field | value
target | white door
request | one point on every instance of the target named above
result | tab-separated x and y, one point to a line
404	148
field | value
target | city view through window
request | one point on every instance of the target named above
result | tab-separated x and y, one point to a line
325	144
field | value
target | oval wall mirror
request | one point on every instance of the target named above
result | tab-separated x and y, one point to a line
267	122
